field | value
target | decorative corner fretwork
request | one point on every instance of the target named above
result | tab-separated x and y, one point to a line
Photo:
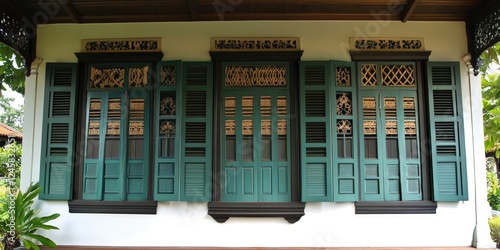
344	127
167	106
369	75
255	76
387	44
122	45
107	78
167	128
138	77
168	75
14	33
344	104
398	75
343	76
255	44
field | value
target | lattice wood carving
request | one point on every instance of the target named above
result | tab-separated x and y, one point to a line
265	106
369	107
247	127
384	44
255	76
398	75
168	75
344	127
282	127
94	128
230	106
122	45
344	104
369	75
281	105
107	78
230	127
391	127
410	127
113	128
167	106
247	106
167	127
370	127
343	76
255	44
265	127
136	128
138	77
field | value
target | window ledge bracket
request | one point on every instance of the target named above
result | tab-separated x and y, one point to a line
290	211
396	207
112	207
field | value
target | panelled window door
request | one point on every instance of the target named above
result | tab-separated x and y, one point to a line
256	143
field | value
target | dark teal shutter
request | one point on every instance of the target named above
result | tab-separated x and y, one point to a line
344	132
316	153
56	166
168	130
196	164
448	164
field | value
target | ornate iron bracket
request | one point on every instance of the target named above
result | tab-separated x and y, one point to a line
483	30
18	34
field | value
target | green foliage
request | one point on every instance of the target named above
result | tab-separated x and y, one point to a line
12	71
19	221
494	223
10	160
13	117
491	111
493	190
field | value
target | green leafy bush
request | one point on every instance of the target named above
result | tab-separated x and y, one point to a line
19	221
494	223
10	159
493	190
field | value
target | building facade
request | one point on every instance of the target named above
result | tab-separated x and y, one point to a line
257	133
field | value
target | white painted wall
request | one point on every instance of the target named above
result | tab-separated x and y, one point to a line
325	224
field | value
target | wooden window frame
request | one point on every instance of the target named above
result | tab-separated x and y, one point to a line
292	211
426	205
78	205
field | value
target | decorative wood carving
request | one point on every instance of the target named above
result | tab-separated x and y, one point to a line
255	44
122	45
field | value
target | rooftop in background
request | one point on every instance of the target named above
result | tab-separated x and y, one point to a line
7	131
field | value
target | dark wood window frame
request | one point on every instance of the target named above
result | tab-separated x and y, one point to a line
292	211
426	205
78	205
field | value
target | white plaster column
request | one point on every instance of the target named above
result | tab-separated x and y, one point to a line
28	162
482	238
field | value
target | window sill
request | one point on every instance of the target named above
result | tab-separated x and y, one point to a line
291	211
112	207
395	207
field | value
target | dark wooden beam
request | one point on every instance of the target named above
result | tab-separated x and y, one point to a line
71	11
192	9
406	14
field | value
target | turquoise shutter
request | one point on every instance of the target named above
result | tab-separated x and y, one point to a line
448	164
58	138
168	113
344	133
316	153
195	170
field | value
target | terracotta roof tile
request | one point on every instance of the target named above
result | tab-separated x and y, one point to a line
8	131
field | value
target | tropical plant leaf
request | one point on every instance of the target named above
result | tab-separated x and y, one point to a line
43	240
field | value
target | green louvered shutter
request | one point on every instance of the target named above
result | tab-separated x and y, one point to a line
316	153
196	164
448	166
56	166
344	133
167	155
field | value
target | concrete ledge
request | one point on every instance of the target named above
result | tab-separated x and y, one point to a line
262	248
